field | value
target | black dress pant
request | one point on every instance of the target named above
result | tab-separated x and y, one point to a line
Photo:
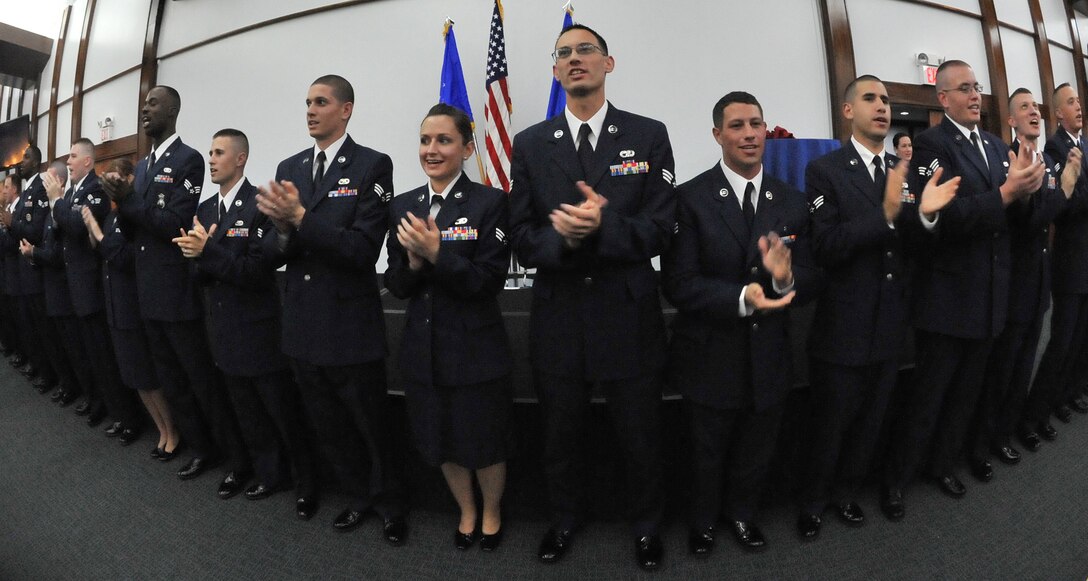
738	444
103	371
941	403
1005	389
65	350
349	411
634	405
850	403
30	310
270	417
9	333
193	388
1055	378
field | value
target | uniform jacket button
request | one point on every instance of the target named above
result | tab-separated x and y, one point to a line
588	280
305	277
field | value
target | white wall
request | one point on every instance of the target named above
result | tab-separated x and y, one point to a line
888	33
66	83
64	131
116	39
1062	64
393	57
1022	64
1017	12
117	99
1057	24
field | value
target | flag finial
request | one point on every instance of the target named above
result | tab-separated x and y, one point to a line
446	26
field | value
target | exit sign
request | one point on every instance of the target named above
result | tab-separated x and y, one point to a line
929	75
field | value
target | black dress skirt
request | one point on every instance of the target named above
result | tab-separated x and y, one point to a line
468	425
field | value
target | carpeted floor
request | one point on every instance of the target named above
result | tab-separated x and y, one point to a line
75	505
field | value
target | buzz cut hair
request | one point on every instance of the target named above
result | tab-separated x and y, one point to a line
849	94
341	88
236	136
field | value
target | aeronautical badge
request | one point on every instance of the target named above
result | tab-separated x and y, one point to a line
612	129
558	133
240	223
167	170
343	181
341	159
627	153
162	201
723	193
383	195
461	221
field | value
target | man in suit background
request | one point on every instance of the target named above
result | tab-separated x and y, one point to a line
328	207
960	288
1062	371
858	206
1008	374
242	313
738	259
591	204
153	209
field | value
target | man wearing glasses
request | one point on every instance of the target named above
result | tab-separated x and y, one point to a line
591	205
960	290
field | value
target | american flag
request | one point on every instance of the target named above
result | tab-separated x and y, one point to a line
497	111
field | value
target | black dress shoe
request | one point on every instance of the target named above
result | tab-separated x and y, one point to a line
166	456
1078	405
554	545
490	542
1064	414
259	491
29	370
395	530
114	430
749	536
701	541
982	470
195	467
1047	431
18	361
59	394
347	520
66	400
231	485
1029	438
156	452
951	486
1009	455
808	526
128	436
851	514
463	541
891	503
43	385
95	417
82	408
648	552
305	508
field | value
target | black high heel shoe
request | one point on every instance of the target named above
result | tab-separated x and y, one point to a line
165	456
491	542
156	453
463	540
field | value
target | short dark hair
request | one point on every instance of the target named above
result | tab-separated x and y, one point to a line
35	153
87	143
123	166
174	94
948	65
1059	88
899	137
600	39
236	135
341	88
729	99
848	94
1017	92
460	120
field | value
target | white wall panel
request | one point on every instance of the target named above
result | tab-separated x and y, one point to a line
42	134
1062	62
47	82
1021	63
117	99
392	51
66	85
191	21
1057	25
1016	12
968	5
882	51
117	38
64	131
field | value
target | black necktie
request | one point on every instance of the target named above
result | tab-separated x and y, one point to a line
151	160
68	194
222	208
978	146
585	150
879	178
749	208
320	173
436	205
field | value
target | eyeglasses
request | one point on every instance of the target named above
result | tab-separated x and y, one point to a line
966	89
584	49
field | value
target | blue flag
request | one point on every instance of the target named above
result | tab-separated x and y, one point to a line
557	100
452	90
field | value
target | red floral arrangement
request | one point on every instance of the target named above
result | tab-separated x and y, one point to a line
779	133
